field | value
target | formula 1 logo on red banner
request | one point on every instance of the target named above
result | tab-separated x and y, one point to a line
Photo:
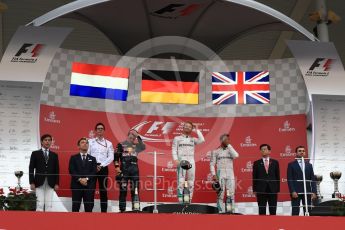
162	131
155	131
320	67
51	118
248	142
287	127
174	11
28	53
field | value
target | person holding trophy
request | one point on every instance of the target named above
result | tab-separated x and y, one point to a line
126	167
222	159
183	149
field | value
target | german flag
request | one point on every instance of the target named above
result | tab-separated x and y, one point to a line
177	87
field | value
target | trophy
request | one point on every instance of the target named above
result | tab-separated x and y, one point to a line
318	179
335	177
18	174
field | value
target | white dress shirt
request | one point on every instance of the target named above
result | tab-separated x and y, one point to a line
102	150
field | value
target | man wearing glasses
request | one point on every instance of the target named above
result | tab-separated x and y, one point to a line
103	151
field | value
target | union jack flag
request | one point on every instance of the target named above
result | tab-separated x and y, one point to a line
240	88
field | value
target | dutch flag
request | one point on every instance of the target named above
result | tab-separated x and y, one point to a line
99	81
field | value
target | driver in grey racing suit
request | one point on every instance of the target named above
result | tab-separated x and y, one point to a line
222	158
183	148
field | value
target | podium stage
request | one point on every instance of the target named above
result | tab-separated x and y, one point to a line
38	220
183	209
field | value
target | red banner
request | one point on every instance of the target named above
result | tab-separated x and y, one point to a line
283	133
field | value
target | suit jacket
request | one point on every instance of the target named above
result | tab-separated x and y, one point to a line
295	177
77	171
261	179
39	170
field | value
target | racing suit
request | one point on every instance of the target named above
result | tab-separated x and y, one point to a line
223	159
183	149
127	155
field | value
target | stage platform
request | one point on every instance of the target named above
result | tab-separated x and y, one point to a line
64	221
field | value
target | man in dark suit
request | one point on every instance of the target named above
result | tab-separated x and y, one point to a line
83	169
266	181
44	174
295	181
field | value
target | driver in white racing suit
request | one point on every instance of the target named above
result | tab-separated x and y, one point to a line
183	148
222	158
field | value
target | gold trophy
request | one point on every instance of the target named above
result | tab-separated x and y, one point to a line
335	177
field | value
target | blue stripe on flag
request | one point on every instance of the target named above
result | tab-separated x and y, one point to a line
96	92
251	100
231	100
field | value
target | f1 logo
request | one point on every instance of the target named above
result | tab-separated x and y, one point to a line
165	127
186	10
323	63
26	47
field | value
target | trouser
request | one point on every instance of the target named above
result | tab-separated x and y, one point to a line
131	176
267	197
225	184
182	176
295	203
44	195
102	178
87	195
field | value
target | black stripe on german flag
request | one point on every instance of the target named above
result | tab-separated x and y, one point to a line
162	75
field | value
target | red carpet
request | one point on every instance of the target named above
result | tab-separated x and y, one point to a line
65	221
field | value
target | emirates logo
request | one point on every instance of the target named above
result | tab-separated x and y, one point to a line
51	118
287	127
248	168
170	167
288	152
248	142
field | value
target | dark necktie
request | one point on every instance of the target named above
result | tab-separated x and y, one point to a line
45	155
84	160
